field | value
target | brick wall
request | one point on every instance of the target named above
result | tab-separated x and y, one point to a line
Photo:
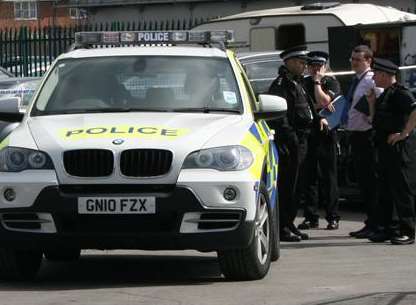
48	15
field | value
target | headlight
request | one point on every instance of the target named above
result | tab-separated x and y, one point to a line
15	159
228	158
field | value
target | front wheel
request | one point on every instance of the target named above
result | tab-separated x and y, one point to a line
253	262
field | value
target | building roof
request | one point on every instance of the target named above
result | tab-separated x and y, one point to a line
349	14
143	51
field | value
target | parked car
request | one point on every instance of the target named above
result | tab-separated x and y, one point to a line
21	88
157	148
33	66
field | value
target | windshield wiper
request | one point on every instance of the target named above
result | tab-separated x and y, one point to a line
128	109
205	110
104	110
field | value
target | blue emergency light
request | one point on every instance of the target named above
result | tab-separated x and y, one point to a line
153	37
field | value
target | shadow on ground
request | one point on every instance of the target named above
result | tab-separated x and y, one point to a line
112	271
380	298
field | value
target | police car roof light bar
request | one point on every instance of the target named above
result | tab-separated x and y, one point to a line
86	39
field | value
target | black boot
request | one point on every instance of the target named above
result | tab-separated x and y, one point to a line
403	240
380	236
295	231
286	235
309	224
333	225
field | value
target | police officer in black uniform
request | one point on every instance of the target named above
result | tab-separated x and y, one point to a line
292	134
321	160
393	115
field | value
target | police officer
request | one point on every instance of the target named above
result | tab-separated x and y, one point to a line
292	137
393	115
321	160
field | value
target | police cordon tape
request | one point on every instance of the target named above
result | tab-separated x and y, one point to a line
16	91
340	73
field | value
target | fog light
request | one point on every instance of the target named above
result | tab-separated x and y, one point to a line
230	193
9	194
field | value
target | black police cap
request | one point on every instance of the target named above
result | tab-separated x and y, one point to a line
298	52
318	57
385	65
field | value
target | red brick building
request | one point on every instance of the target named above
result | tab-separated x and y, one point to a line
37	13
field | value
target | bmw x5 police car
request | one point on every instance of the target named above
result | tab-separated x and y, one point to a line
161	146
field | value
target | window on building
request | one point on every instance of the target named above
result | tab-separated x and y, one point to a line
77	13
25	10
290	36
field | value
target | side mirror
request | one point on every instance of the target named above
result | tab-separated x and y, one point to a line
271	107
10	110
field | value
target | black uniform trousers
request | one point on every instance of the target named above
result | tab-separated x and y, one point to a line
364	161
321	172
396	168
292	153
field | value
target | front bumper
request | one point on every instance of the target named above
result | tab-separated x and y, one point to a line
52	221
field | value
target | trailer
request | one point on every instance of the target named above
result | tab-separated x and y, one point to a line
280	28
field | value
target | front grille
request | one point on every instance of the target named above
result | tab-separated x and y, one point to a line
145	162
89	162
76	189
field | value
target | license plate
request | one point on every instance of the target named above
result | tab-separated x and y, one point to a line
116	205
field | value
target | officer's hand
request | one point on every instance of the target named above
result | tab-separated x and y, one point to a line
395	137
323	124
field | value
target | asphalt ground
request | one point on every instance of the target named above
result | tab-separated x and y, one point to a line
330	268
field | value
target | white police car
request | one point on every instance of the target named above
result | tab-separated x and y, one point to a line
141	147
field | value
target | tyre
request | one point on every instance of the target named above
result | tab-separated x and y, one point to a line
19	264
62	255
253	262
275	255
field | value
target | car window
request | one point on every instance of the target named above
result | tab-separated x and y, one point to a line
262	73
141	83
262	69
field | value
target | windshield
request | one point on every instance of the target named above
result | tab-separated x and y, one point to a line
145	83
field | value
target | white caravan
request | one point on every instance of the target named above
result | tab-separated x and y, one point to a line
280	28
